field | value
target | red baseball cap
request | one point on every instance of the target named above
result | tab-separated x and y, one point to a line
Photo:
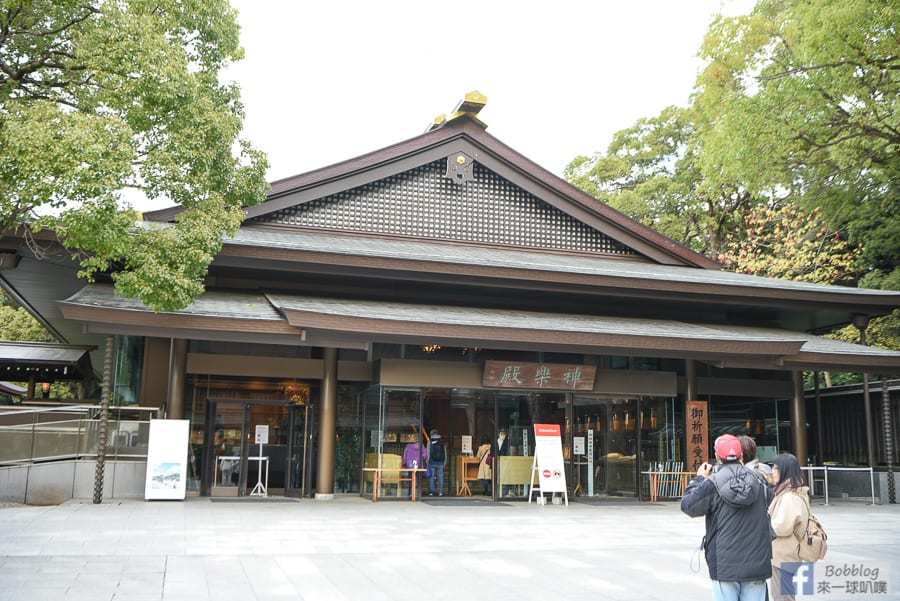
728	447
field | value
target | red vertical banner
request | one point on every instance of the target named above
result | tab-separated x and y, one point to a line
697	434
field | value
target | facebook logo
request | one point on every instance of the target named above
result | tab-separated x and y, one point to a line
797	578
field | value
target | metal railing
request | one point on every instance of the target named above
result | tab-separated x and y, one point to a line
812	469
32	435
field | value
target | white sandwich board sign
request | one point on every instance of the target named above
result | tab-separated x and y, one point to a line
548	460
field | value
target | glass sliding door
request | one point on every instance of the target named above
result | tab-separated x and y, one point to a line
517	413
267	475
591	420
348	463
260	448
620	463
391	423
623	437
609	466
298	482
224	469
471	425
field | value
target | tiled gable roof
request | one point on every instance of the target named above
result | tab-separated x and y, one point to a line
424	203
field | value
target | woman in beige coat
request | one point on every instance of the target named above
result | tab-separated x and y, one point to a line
789	514
485	471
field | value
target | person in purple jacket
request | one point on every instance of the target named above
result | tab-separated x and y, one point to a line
414	454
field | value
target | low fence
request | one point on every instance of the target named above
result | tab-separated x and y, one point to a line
818	476
48	454
670	481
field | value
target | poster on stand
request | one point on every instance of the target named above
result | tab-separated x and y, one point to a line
167	460
549	458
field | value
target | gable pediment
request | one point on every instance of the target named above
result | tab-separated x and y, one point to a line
430	202
408	190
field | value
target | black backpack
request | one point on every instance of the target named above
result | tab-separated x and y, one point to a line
437	451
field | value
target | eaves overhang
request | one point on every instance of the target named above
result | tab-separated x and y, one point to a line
457	263
44	361
499	328
358	323
211	312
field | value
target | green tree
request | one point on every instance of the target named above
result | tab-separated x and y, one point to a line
796	107
789	244
808	96
99	97
651	172
17	324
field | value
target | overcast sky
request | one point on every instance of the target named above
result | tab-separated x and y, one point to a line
327	81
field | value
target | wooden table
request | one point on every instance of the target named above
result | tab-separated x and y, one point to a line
399	478
657	478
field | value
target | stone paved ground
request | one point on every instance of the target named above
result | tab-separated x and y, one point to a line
352	549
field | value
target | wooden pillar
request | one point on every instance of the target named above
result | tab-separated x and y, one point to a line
690	376
177	374
862	322
870	427
798	418
820	428
327	427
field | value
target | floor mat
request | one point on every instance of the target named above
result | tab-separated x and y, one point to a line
457	502
587	501
253	500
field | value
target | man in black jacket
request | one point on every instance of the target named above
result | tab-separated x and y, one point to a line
738	544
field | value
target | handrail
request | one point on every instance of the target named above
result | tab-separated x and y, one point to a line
36	441
78	408
826	468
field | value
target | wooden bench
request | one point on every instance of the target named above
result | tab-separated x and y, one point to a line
395	475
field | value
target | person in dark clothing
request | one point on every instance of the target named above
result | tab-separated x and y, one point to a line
501	449
752	462
738	543
437	456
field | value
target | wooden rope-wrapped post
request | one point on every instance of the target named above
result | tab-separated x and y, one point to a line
888	428
104	420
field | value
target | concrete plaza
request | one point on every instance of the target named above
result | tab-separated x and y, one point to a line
351	549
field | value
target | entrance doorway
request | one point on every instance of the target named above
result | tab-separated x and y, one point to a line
622	437
239	466
607	442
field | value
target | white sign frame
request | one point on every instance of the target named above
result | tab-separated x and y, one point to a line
167	454
590	458
578	445
262	434
376	439
548	460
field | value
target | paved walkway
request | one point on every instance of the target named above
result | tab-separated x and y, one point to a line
351	549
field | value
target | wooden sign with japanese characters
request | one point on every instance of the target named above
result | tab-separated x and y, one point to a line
549	376
697	434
